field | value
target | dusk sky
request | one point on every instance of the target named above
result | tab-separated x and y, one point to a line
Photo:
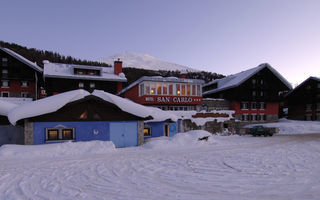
223	36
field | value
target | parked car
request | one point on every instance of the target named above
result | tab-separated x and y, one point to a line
258	131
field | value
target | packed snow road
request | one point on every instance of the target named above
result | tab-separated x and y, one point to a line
225	167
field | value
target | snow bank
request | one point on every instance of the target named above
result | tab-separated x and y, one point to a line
46	105
293	126
180	140
57	149
134	108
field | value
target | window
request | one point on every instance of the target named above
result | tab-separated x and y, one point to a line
262	117
253	105
254	81
141	89
308	107
254	117
318	85
4	72
92	85
147	131
24	94
60	133
261	81
170	89
245	105
254	93
183	89
4	94
318	117
4	62
262	105
147	88
159	88
5	84
199	90
24	83
258	117
193	90
153	88
178	89
165	89
261	93
245	117
81	84
308	117
318	106
188	90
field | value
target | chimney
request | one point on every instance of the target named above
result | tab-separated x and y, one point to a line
117	66
183	74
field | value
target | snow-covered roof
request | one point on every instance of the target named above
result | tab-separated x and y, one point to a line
5	107
54	103
237	79
161	79
46	105
61	70
310	78
134	108
22	59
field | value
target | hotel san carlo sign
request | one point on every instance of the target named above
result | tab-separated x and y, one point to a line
173	100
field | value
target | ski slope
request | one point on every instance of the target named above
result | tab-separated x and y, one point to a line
285	166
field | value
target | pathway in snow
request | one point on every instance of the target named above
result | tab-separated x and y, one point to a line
279	167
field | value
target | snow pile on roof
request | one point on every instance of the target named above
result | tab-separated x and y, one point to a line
57	149
22	59
61	70
293	126
16	100
180	140
46	105
134	108
237	79
5	107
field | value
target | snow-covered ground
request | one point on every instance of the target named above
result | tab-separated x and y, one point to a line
285	166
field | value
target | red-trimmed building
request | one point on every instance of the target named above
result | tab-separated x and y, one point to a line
167	93
19	77
254	94
304	100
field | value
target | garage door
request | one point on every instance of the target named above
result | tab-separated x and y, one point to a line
124	134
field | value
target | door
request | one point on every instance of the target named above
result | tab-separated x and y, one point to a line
124	134
166	130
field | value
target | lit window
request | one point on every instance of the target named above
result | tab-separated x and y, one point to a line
60	133
193	90
5	83
153	88
188	90
183	89
92	85
159	88
178	89
81	85
165	89
147	131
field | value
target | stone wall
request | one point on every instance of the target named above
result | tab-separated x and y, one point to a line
28	132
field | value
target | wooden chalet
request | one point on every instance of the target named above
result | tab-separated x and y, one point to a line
20	78
304	101
61	77
254	94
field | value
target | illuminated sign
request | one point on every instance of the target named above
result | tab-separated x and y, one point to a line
173	100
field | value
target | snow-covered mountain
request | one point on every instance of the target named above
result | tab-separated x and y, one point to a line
144	61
